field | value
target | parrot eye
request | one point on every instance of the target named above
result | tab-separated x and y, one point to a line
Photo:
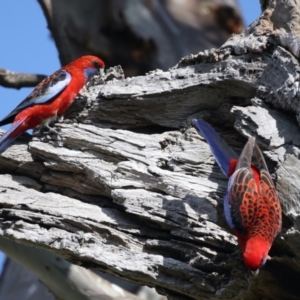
96	64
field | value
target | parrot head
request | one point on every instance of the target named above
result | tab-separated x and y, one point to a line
91	65
256	253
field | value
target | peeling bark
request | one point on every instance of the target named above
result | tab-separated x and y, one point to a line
126	192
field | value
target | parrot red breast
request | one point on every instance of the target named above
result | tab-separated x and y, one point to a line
51	98
251	205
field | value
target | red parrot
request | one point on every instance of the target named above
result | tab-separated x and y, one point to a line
50	98
251	205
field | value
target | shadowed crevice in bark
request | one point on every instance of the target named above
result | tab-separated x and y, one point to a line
166	229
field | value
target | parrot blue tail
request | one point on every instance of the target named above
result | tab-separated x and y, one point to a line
6	138
221	151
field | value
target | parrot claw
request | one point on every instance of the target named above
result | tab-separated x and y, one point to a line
39	132
51	130
251	196
60	119
51	98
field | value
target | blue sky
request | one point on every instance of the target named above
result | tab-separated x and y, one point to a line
27	47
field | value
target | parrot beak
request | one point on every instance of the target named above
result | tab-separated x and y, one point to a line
255	273
101	72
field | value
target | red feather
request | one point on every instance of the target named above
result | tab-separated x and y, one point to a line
251	205
255	207
43	110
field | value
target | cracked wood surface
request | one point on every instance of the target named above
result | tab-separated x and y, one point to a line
126	192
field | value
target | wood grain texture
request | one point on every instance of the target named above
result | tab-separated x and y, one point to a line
131	188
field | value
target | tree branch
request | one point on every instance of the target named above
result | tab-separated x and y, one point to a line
18	80
139	35
71	281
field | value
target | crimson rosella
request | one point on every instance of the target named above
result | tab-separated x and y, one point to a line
51	98
251	205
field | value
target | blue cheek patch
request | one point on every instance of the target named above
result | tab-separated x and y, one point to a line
89	72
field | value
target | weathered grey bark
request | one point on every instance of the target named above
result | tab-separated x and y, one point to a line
139	35
64	280
126	192
158	33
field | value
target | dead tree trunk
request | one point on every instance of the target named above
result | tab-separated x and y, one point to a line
140	35
125	191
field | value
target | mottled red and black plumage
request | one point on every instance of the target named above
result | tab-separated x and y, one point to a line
251	205
51	98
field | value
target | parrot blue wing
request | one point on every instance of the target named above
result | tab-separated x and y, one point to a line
227	204
221	151
45	91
